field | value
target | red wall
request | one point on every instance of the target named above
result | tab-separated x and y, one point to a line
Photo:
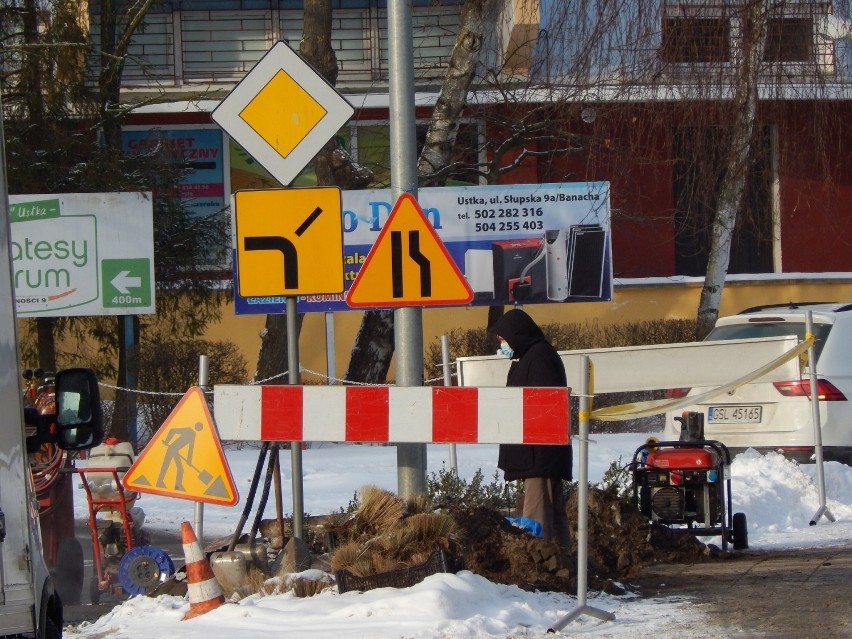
630	147
815	186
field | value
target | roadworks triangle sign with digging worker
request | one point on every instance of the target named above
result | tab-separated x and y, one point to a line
184	459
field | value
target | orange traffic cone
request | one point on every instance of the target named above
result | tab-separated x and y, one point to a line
204	591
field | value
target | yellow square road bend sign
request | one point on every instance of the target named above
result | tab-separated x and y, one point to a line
408	265
289	242
184	459
282	113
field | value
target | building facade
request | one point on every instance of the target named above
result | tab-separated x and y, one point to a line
639	97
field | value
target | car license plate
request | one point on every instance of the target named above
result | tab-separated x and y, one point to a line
734	414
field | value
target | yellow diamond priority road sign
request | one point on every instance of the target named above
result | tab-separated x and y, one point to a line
282	113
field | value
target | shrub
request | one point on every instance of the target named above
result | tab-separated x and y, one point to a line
168	369
446	489
469	342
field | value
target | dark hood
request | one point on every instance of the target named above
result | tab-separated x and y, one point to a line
519	330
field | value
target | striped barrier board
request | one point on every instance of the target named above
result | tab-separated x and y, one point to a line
416	414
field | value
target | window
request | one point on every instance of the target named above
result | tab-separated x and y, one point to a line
693	39
789	40
698	171
372	149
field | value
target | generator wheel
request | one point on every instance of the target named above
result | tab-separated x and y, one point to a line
69	571
94	591
740	531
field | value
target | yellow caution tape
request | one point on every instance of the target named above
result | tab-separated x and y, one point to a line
584	414
657	406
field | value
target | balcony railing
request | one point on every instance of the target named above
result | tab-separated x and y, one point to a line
190	49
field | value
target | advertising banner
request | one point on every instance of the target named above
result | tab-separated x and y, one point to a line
82	254
203	185
526	243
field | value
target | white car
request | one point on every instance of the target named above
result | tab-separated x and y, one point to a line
778	416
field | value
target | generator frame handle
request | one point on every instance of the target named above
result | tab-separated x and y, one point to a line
717	446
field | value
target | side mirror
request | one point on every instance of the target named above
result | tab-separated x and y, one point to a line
79	419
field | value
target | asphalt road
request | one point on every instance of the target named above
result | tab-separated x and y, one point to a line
799	594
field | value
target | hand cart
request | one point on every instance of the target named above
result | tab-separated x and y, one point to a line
122	560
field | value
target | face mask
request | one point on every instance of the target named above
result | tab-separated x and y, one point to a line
506	350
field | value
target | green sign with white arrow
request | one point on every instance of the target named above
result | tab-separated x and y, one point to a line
126	283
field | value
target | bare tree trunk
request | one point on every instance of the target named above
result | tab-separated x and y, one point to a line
333	166
441	136
373	349
114	47
46	343
272	360
754	21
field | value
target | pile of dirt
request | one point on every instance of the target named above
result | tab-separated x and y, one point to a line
620	542
389	536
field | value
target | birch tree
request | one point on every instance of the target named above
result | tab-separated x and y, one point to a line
658	72
743	110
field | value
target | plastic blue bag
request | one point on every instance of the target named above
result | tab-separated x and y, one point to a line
530	525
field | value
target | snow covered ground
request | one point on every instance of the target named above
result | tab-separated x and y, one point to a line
779	498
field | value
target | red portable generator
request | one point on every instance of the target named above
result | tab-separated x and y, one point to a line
686	484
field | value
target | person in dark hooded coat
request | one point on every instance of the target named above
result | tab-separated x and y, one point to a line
542	467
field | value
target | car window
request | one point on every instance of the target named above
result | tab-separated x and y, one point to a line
770	329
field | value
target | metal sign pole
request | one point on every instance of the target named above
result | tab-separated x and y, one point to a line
812	366
204	383
330	368
583	507
408	321
448	381
295	447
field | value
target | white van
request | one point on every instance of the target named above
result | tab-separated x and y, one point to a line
29	603
778	416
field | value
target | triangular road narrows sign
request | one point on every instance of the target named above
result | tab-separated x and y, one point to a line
184	459
408	265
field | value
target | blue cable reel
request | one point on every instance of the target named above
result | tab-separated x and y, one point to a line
143	567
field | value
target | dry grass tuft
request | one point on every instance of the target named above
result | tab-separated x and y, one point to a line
379	509
413	533
381	539
258	582
309	587
364	565
303	586
345	555
419	503
430	527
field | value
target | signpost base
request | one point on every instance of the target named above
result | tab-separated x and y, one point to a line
581	610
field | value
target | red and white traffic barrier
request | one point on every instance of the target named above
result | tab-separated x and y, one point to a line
416	414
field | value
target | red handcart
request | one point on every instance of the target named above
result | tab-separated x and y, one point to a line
122	560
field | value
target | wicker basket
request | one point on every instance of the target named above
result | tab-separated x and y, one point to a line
402	578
